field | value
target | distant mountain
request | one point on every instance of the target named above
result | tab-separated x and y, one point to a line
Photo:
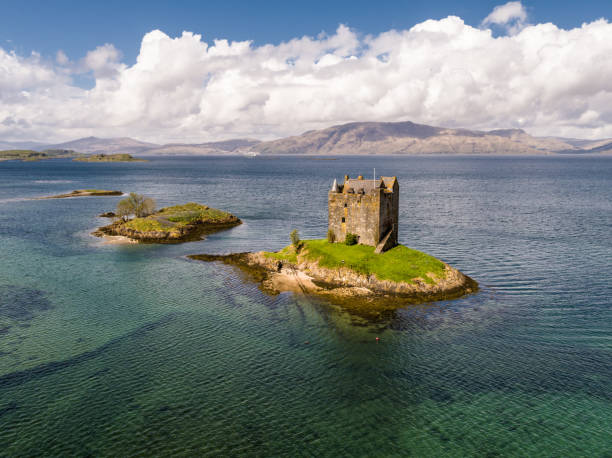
353	138
602	147
411	138
582	143
104	145
222	147
4	145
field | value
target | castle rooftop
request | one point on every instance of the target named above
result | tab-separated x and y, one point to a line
358	184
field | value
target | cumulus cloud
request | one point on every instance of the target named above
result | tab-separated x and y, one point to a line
512	16
547	80
103	61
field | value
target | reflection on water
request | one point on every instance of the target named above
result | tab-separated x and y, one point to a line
119	350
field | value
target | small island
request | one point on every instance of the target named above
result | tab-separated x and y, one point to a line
85	193
360	265
109	158
26	155
179	223
352	275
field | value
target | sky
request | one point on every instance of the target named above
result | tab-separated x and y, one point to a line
193	71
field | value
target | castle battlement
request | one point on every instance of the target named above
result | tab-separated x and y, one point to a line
366	208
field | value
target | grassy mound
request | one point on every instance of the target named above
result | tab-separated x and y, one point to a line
400	264
286	254
171	219
192	212
148	224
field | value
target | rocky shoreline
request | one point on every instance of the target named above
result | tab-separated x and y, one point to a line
85	193
187	233
344	286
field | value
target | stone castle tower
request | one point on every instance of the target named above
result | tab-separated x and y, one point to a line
366	208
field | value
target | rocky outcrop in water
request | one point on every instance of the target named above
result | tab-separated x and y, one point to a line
179	223
344	285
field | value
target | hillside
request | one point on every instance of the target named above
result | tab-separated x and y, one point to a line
32	156
602	147
105	145
25	145
355	139
411	138
220	147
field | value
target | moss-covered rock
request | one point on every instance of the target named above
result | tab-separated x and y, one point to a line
179	223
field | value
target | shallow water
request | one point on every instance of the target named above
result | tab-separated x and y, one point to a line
121	350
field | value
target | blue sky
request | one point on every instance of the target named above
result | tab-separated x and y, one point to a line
76	27
153	70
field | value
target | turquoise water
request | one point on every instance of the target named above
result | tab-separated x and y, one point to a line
136	350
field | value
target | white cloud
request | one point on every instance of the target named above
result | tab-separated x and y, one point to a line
547	80
512	16
61	58
103	61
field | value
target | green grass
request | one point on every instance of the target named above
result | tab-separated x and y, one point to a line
400	264
286	254
22	154
109	158
147	225
30	155
192	212
171	219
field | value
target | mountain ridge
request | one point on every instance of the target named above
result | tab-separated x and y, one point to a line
411	138
354	138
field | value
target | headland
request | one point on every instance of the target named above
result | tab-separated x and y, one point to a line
26	155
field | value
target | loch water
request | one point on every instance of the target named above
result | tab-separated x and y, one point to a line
110	350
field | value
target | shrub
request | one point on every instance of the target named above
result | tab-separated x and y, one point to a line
331	237
351	239
135	204
295	239
124	209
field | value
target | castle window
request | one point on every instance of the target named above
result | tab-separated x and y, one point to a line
343	219
345	205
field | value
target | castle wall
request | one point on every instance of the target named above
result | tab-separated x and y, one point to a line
389	215
368	209
361	216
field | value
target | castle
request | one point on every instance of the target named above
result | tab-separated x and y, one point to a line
367	208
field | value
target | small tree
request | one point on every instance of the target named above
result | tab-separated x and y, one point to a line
351	239
295	239
148	206
124	209
135	204
331	237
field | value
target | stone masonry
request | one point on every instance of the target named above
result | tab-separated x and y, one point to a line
366	208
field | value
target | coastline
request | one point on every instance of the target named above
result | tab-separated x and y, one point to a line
117	240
